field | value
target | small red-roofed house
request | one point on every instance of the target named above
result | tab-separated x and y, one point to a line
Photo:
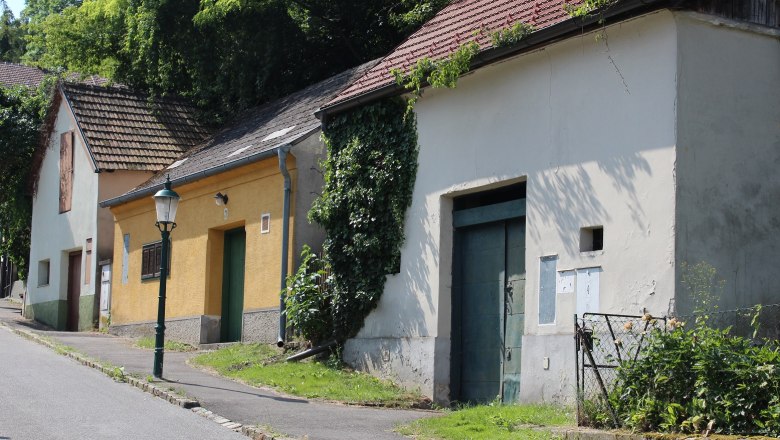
574	172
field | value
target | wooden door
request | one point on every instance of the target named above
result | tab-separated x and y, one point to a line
233	285
488	310
74	290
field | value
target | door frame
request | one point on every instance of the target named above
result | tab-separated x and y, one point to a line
226	264
73	291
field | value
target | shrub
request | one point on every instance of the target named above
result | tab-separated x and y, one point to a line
701	379
308	298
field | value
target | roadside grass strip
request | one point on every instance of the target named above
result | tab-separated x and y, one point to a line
491	422
148	343
263	365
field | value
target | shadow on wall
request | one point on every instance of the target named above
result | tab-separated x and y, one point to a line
406	302
566	200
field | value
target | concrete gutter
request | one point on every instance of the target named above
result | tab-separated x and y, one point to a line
566	29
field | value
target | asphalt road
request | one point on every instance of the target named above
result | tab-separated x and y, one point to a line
44	395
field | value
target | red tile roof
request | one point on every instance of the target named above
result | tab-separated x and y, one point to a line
458	23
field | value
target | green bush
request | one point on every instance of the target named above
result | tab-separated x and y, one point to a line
700	379
309	296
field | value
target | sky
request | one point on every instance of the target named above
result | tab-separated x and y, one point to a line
16	6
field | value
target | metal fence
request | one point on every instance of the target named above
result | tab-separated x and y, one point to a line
605	341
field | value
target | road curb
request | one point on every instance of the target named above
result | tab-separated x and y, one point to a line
172	398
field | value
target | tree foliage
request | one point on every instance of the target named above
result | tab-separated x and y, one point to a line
22	110
226	55
11	35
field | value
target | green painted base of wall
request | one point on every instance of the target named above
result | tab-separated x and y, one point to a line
87	317
52	313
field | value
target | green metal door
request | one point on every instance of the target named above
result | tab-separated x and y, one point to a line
488	310
514	321
233	285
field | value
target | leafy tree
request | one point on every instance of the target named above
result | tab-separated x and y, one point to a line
11	35
22	110
226	55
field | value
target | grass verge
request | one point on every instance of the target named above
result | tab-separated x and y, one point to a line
491	422
263	365
147	342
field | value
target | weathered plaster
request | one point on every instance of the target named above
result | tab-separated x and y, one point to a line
728	155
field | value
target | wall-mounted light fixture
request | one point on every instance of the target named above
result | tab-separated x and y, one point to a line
221	199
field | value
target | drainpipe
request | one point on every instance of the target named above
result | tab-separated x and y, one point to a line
282	152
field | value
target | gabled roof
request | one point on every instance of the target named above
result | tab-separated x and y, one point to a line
463	21
252	136
15	74
125	130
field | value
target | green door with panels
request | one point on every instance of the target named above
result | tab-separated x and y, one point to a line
488	302
233	285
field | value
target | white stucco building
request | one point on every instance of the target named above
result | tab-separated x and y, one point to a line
574	171
100	141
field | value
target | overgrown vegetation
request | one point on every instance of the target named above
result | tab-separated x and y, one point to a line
511	35
263	365
369	178
309	296
225	55
148	343
489	422
22	110
587	7
696	378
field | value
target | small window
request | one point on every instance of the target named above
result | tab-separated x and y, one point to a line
265	223
43	273
150	260
592	239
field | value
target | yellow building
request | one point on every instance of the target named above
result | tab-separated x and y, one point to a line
228	249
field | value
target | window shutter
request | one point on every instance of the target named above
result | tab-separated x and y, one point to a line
66	171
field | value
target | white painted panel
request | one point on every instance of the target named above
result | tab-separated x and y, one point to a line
105	288
588	280
565	281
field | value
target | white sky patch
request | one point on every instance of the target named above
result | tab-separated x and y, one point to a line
278	133
177	163
239	151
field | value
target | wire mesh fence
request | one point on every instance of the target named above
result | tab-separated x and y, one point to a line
606	341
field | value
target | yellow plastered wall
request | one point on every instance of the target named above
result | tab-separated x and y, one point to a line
195	284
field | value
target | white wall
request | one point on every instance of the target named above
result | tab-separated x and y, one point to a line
590	124
729	152
54	235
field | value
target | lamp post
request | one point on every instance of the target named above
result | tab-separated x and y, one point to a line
166	202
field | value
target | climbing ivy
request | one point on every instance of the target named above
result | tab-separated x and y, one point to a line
439	73
369	177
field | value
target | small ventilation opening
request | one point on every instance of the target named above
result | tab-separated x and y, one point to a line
592	239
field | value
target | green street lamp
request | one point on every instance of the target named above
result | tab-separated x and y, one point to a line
166	202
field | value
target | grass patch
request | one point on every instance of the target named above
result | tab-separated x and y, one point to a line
491	422
147	342
263	365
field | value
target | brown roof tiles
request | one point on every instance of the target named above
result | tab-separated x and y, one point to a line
125	130
15	74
